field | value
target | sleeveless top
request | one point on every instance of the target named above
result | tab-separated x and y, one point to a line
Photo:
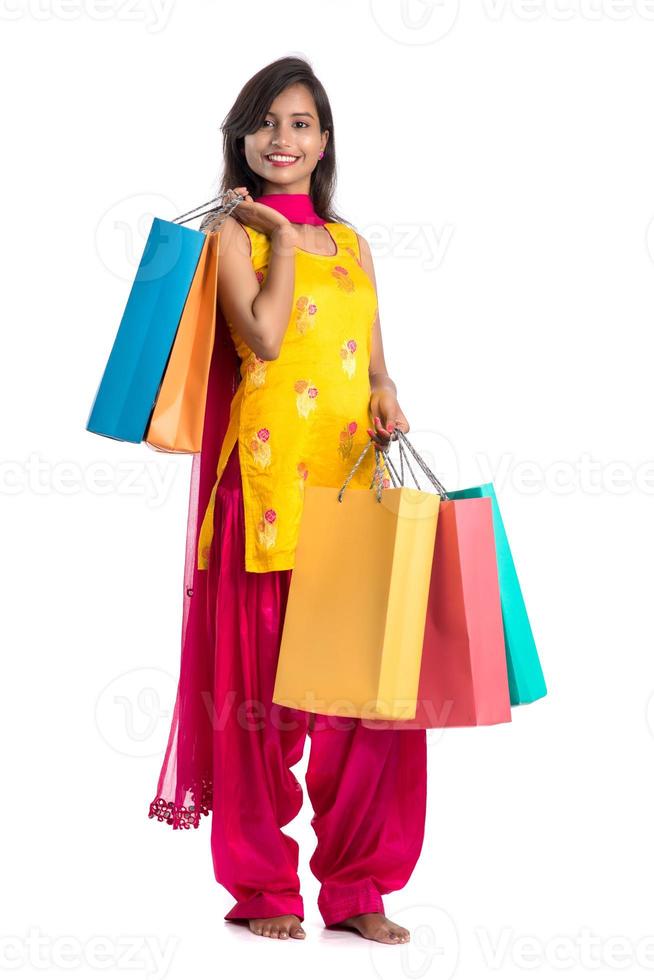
301	419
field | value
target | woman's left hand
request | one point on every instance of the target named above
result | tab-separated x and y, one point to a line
387	416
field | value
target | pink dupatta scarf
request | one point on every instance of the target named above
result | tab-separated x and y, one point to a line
184	788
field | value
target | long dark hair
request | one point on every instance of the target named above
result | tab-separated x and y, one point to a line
247	115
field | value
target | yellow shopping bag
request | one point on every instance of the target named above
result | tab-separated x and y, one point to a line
357	603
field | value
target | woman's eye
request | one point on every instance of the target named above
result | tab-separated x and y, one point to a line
299	122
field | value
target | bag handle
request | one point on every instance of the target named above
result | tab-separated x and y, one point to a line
377	473
221	209
403	443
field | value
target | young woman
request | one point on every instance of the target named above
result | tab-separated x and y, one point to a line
298	296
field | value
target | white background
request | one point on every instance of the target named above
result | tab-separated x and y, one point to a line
499	159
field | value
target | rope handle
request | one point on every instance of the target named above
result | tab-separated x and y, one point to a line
404	445
383	455
221	209
376	474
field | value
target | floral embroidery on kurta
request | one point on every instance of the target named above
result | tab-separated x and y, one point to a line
256	370
354	255
303	473
348	351
343	278
306	397
345	439
267	529
305	309
261	448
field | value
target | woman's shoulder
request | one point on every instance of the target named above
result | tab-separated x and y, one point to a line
236	234
348	237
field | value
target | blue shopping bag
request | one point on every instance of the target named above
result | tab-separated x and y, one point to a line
128	390
526	681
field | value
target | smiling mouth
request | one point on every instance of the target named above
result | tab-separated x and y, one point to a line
286	158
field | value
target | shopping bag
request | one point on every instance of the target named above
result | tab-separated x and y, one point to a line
154	385
178	414
463	677
355	614
128	389
526	680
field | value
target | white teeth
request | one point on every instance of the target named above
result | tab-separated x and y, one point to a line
281	159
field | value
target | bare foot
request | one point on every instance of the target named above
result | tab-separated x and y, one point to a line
374	925
278	927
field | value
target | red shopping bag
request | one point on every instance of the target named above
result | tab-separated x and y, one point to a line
463	674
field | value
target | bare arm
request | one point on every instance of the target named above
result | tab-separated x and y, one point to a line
258	314
383	392
377	371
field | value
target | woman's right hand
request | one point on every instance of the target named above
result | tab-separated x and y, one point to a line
258	216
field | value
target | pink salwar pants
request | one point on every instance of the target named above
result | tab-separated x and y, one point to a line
367	786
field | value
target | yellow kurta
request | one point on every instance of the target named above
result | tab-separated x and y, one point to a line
301	419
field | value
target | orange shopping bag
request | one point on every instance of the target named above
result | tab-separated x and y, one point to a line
355	615
178	414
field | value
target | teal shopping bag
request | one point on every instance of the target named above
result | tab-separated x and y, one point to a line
526	681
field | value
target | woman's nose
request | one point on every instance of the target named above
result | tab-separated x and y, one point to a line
284	136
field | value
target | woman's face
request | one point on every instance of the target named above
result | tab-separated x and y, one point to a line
290	129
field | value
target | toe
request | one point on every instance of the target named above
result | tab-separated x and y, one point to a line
398	932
